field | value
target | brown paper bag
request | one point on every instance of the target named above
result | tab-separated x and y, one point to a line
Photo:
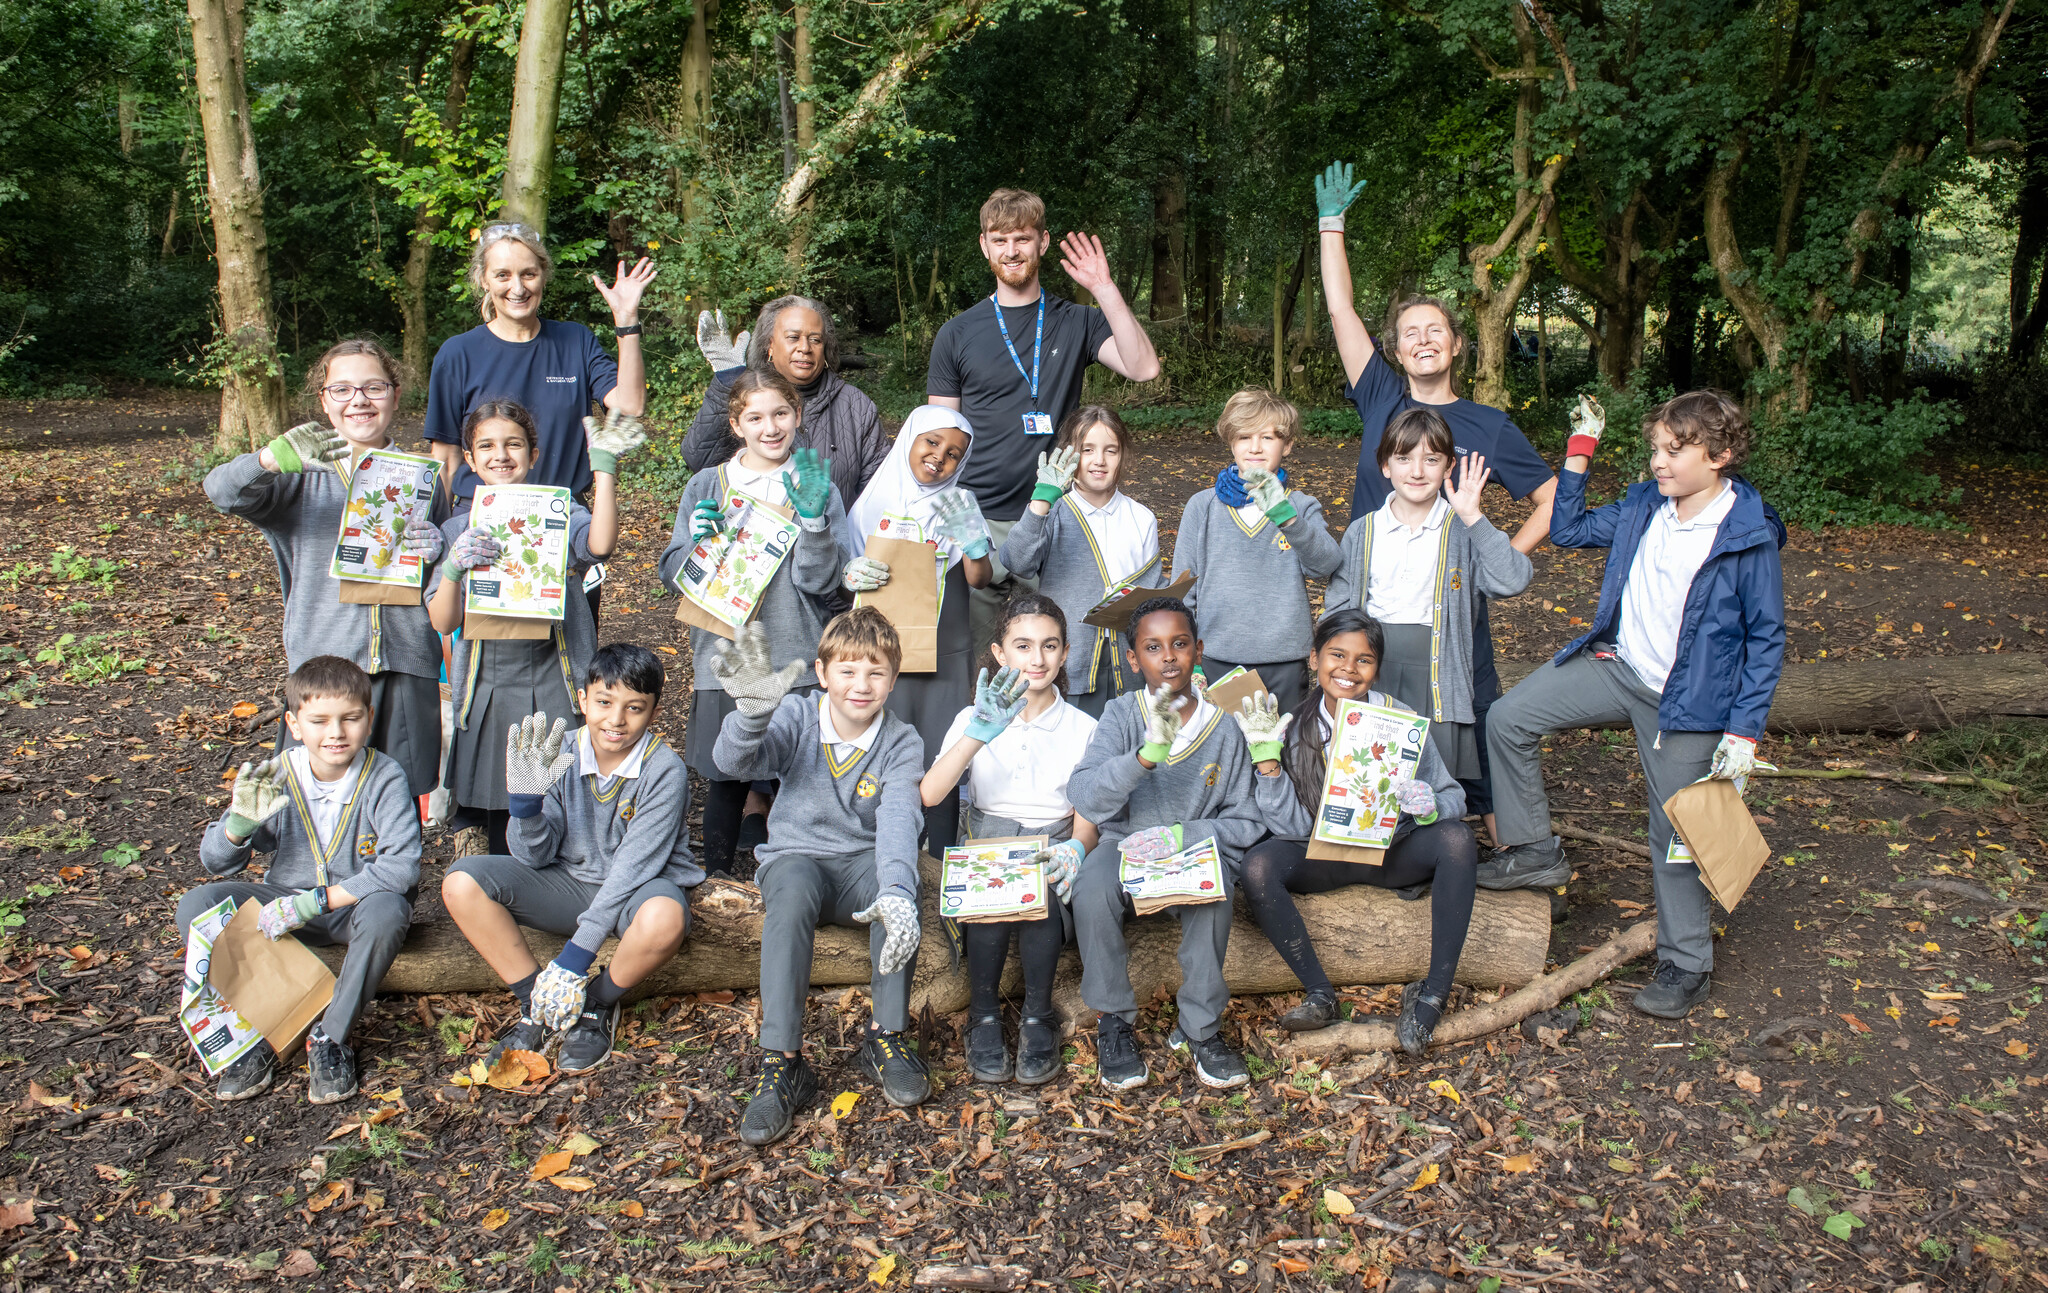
696	617
478	627
1357	853
1117	615
910	600
354	592
1716	825
1229	696
279	987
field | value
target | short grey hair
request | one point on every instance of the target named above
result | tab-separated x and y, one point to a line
527	236
764	330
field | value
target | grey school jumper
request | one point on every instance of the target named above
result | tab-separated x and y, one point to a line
839	835
794	608
1207	788
374	853
1251	592
1469	558
614	832
1059	550
1288	819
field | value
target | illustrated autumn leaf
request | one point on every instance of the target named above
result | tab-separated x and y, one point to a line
496	1219
551	1165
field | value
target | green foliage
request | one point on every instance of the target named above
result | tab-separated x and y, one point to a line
1844	463
89	661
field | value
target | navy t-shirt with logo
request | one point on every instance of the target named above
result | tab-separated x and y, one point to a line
557	376
1382	393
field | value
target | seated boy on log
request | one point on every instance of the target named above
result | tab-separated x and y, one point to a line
1161	757
343	832
599	847
842	847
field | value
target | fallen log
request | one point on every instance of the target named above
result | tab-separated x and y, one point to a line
1541	994
1892	695
1363	935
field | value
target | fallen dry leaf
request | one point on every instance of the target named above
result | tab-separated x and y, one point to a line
1855	1023
384	1115
1519	1163
1621	1164
1291	1265
80	953
580	1144
245	709
15	1214
298	1264
496	1218
632	1208
577	1184
323	1198
1424	1178
1749	1081
2017	1049
1338	1204
551	1165
70	873
882	1270
1681	1093
842	1104
1447	1091
344	1129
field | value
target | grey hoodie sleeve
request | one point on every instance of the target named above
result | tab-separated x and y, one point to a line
1498	567
1310	535
711	440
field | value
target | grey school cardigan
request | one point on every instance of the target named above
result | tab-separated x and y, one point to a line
1251	593
614	832
1467	557
1207	787
375	847
794	608
1289	819
300	515
1059	550
870	803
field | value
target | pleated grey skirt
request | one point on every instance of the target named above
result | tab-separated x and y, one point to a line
1404	675
513	680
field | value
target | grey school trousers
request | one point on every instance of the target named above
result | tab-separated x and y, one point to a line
797	895
1099	911
374	929
1586	691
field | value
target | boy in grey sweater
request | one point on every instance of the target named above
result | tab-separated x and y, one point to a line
343	832
599	847
1160	758
842	847
1253	546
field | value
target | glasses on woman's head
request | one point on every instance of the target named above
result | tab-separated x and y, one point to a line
344	392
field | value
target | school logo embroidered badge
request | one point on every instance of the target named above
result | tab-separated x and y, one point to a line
867	787
366	847
1456	582
626	812
1285	546
1211	773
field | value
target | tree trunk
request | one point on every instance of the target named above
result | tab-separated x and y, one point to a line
419	257
536	101
1682	327
788	106
695	107
252	408
806	108
1169	237
1623	285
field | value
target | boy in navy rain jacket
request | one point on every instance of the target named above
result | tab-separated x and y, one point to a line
1686	647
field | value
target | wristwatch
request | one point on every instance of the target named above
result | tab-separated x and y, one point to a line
625	330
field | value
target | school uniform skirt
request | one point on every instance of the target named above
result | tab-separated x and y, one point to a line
1404	675
514	679
405	728
930	701
1113	677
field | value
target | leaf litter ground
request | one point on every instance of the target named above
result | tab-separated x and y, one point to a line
1859	1108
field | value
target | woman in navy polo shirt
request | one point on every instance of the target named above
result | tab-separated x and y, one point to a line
555	369
1427	342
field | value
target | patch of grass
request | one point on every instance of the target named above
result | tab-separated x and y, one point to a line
2011	750
456	1033
542	1259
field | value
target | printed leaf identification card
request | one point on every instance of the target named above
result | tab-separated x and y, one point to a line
387	491
530	578
1374	748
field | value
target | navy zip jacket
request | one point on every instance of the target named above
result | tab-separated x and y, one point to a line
1731	642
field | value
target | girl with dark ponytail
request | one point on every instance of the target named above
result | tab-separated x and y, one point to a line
1432	845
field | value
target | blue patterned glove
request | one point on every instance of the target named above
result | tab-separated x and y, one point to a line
995	704
1062	863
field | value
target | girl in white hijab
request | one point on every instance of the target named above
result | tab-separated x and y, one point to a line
917	482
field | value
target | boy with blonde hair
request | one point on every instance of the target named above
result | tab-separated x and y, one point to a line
1253	545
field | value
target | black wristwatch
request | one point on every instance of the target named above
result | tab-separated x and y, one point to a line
625	330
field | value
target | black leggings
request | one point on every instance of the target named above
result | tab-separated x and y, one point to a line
1446	854
724	802
1038	950
942	825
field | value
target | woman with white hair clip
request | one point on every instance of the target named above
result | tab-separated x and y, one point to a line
794	336
552	368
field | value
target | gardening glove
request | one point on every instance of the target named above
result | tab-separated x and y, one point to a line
1263	725
259	792
1588	421
1151	845
280	916
535	759
422	539
720	349
899	917
1162	725
995	704
472	548
1335	192
1417	799
1734	759
308	446
1056	473
747	675
619	435
1062	863
957	517
706	520
1269	493
558	996
865	574
809	485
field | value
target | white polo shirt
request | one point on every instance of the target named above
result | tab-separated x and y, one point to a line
1125	530
1022	774
1400	587
1660	579
843	749
764	485
586	755
325	800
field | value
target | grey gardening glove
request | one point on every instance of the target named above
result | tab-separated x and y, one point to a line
1162	724
750	677
865	574
619	435
1269	492
899	917
1263	725
721	349
1062	862
1056	474
958	518
259	792
535	759
309	446
472	548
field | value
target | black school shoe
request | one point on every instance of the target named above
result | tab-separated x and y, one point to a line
988	1059
1526	866
891	1064
249	1076
1118	1065
1420	1014
786	1088
526	1035
1317	1010
589	1040
1038	1051
1674	992
1216	1065
333	1069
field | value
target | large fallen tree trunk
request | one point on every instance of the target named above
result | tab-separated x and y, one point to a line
1894	695
1363	935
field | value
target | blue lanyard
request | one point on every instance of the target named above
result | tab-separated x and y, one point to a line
1036	342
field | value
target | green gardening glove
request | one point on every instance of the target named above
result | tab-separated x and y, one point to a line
1335	192
1056	474
308	446
809	485
258	794
620	435
1269	492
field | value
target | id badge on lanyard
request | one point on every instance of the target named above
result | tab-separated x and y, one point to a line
1035	422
